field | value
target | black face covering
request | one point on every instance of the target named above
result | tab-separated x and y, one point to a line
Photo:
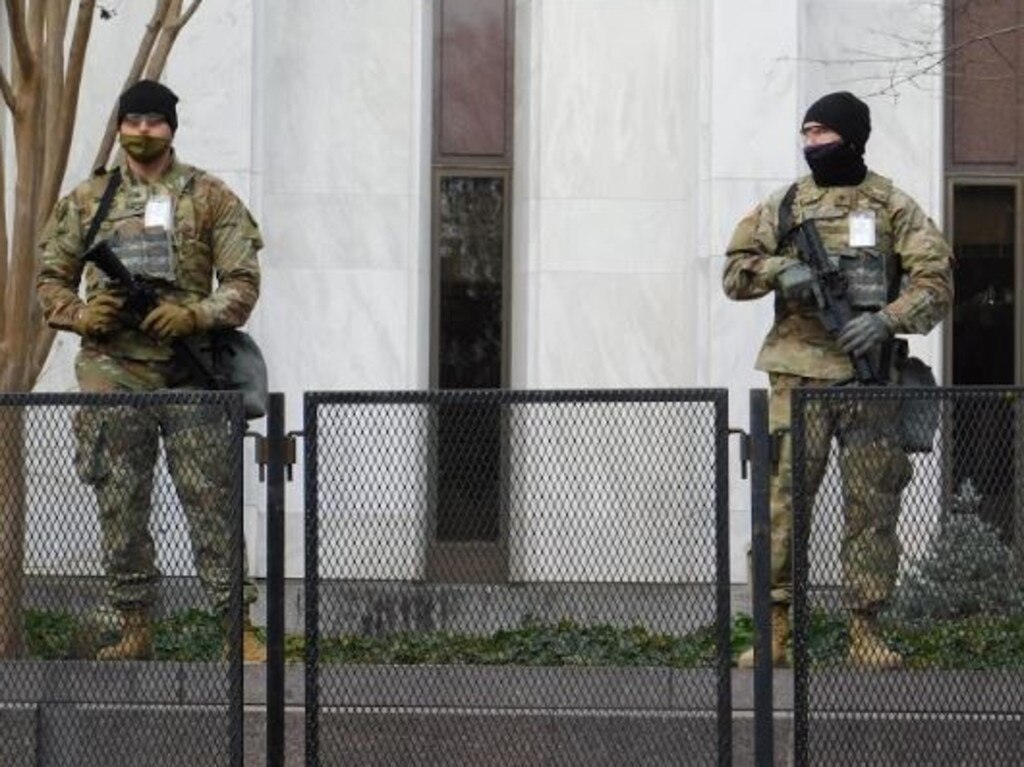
835	164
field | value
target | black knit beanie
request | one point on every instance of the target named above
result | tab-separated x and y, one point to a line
844	113
148	96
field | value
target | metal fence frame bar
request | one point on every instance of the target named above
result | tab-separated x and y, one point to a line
233	402
802	519
311	587
761	530
716	397
799	558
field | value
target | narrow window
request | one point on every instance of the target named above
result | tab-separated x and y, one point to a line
985	343
469	346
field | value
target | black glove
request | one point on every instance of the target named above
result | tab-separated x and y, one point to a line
863	333
795	282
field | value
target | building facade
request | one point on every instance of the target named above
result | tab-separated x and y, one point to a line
538	193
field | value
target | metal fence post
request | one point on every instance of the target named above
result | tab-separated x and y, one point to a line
275	579
760	521
723	616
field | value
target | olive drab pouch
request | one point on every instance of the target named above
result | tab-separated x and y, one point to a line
143	239
234	362
918	414
867	282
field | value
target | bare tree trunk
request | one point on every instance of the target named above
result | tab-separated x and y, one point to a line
12	532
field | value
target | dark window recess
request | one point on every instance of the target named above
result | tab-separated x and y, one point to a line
471	243
471	260
984	242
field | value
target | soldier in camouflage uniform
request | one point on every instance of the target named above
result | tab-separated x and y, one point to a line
175	227
899	272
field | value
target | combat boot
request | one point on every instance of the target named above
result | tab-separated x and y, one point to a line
780	635
136	641
253	650
867	649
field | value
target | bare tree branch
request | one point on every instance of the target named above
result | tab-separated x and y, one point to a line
60	147
52	72
19	35
908	69
7	91
142	55
183	18
168	34
5	253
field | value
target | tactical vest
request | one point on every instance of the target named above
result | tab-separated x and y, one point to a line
872	273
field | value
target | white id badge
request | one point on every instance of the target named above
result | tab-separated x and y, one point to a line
862	229
160	213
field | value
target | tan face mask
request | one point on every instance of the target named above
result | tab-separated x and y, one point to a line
144	148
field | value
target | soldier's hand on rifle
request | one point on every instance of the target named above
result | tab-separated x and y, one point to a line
98	317
863	333
795	282
169	321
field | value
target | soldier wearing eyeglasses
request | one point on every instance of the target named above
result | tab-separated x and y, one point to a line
181	231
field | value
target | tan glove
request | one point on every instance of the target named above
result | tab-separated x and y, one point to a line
98	317
169	321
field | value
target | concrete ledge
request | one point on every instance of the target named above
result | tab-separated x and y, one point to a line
113	683
500	687
454	737
86	713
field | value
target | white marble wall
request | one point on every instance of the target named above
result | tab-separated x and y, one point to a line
342	170
606	166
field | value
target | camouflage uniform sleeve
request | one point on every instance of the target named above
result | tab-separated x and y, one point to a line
235	240
751	261
59	269
926	262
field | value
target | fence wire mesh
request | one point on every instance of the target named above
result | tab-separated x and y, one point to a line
908	577
112	650
500	577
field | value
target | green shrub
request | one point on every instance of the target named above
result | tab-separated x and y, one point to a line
967	571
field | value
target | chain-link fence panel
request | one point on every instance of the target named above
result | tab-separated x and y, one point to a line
500	577
121	565
908	580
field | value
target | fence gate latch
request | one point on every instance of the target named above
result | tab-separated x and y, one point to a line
263	452
744	450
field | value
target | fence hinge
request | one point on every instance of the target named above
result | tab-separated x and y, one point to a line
263	452
744	450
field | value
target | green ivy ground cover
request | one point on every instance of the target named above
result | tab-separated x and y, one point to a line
971	643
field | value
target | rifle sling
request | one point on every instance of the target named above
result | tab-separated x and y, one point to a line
104	208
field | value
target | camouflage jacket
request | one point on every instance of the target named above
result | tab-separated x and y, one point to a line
905	238
214	237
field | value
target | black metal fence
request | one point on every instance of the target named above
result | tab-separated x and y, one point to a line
513	578
498	577
909	576
121	525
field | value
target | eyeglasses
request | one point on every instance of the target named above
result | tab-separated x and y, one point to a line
815	129
135	119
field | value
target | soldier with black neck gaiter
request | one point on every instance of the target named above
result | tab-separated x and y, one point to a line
898	270
838	162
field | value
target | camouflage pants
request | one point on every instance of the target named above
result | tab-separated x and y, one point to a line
117	450
873	470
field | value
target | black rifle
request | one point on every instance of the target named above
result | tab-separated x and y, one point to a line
830	293
140	299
